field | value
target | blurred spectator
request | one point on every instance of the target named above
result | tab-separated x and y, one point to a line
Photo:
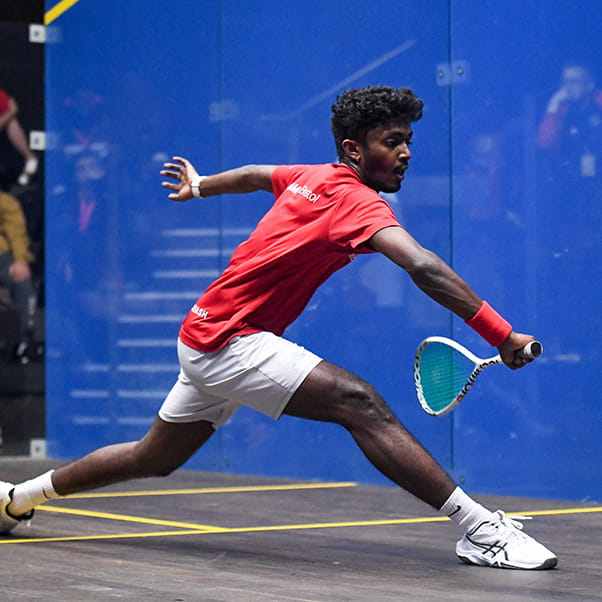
14	131
569	217
570	166
84	225
15	272
572	124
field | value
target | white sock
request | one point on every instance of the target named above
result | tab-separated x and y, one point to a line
463	510
32	493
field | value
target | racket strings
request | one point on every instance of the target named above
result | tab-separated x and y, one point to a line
442	373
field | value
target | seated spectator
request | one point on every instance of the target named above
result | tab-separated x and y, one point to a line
15	272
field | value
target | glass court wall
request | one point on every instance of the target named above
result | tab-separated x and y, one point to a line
227	83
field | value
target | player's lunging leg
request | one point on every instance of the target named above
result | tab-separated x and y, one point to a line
332	394
164	448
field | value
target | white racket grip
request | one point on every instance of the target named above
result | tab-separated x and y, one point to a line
531	350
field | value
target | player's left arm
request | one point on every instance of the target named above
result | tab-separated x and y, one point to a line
248	178
441	283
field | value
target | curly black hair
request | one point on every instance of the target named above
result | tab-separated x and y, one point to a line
355	112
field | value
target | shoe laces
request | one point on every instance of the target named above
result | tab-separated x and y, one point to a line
509	525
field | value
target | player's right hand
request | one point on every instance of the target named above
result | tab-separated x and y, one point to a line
510	350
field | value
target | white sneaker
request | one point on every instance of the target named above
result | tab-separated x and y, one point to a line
501	543
7	521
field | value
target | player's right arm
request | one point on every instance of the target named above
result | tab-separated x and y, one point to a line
441	283
428	271
248	178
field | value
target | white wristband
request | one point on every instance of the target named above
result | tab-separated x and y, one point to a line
195	185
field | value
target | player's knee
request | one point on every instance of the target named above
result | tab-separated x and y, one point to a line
361	403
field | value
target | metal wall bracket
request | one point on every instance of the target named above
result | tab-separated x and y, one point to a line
456	72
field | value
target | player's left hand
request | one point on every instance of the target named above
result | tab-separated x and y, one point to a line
182	172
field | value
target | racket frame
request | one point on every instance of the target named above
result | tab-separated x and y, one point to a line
479	365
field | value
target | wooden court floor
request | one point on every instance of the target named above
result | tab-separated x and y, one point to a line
215	537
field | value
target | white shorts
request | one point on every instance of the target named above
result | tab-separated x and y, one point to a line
260	370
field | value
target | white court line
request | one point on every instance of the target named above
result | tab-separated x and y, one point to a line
148	367
89	394
137	319
187	253
186	274
146	342
141	394
160	295
206	231
83	420
344	83
136	420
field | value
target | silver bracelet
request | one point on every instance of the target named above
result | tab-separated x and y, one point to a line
195	184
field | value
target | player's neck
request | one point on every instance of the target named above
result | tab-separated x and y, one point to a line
353	167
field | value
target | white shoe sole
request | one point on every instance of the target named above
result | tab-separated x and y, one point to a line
548	563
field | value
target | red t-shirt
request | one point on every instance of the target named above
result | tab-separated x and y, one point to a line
4	102
321	219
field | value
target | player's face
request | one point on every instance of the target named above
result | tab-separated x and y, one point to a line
383	158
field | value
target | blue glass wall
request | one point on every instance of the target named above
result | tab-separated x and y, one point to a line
227	83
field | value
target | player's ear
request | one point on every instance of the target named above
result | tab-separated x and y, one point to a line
352	149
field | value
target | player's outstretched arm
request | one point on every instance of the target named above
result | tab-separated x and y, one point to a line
440	282
249	178
428	271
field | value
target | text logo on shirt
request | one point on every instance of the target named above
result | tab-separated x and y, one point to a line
199	311
304	191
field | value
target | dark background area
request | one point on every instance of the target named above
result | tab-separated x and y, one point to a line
27	11
22	388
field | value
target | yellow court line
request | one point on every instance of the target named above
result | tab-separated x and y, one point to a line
399	521
129	519
101	537
217	530
241	489
559	511
57	10
208	530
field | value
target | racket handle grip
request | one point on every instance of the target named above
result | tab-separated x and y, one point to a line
531	350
